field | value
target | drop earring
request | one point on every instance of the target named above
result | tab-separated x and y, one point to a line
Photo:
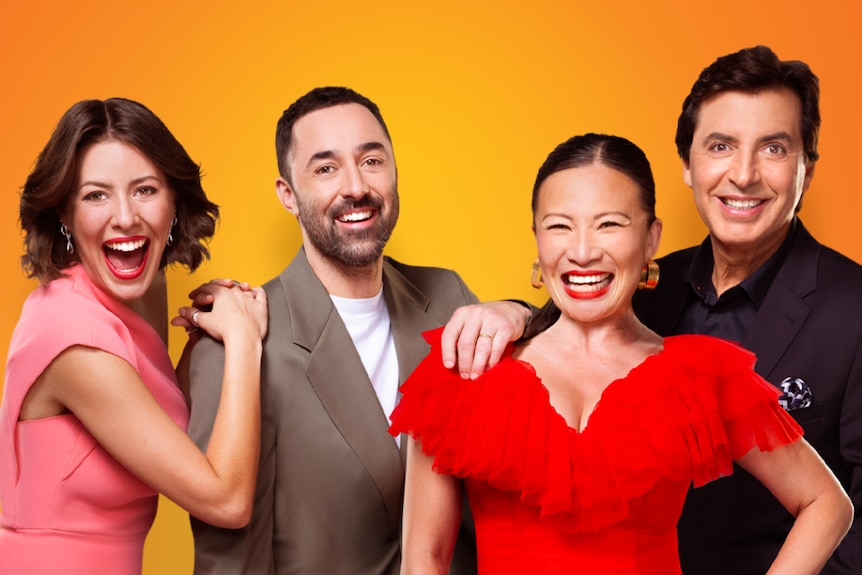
649	276
65	232
536	275
171	231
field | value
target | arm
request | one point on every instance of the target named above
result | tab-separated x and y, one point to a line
122	415
432	514
848	557
477	335
230	551
799	479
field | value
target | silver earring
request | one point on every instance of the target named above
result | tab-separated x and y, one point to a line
171	231
65	231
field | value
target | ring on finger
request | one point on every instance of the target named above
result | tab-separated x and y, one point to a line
489	336
195	318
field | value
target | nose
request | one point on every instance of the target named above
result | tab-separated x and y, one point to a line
124	215
355	185
743	169
584	249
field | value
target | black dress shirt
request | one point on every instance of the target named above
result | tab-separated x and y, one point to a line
731	315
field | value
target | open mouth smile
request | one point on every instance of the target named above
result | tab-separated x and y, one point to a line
587	286
126	258
355	217
741	205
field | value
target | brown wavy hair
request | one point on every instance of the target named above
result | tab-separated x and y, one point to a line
55	175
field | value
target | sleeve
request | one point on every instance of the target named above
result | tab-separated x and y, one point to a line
220	551
731	408
501	429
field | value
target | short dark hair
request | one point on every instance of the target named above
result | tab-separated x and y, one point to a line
316	99
753	70
612	151
55	174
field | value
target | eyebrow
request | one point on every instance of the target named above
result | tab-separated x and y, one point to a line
781	135
329	154
134	182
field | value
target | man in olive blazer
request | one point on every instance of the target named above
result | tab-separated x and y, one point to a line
331	478
345	327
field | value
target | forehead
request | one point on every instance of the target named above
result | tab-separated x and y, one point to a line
595	187
112	157
756	114
338	129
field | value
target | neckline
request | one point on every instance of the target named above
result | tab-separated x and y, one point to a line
612	384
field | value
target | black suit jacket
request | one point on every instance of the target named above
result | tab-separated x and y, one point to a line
809	326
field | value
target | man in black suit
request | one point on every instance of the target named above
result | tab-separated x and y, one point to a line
747	137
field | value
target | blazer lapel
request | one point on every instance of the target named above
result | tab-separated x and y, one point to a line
336	372
409	318
784	311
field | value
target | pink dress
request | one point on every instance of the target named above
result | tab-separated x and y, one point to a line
547	499
68	506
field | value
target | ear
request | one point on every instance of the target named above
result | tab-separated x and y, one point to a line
686	172
286	196
653	238
809	174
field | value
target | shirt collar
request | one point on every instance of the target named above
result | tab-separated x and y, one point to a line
755	286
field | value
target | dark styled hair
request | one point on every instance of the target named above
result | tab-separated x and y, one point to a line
316	99
55	175
612	151
751	71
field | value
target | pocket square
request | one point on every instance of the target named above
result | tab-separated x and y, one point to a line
795	394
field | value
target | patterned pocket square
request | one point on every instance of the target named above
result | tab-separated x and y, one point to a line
795	394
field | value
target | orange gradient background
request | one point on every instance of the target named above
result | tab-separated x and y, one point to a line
475	95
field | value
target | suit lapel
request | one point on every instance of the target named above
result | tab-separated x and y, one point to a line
409	318
336	372
784	311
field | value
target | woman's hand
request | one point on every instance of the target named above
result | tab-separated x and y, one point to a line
223	308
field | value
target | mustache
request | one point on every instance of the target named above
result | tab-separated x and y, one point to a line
365	202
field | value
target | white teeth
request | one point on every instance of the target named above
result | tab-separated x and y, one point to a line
741	204
355	217
126	246
586	280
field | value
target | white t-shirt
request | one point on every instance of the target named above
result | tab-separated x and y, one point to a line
367	321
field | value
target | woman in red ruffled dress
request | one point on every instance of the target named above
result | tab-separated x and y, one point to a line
577	449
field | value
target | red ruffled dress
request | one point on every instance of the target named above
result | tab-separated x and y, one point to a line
549	499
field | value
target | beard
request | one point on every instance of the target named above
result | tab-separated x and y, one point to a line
348	247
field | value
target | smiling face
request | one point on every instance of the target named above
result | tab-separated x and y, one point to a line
593	239
344	186
747	168
119	215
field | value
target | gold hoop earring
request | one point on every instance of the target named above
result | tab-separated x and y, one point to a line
649	276
536	275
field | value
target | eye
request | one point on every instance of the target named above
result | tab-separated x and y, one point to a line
776	149
146	191
609	224
325	170
719	147
372	162
557	226
95	196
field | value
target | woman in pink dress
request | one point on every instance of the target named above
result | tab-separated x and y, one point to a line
92	423
577	449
